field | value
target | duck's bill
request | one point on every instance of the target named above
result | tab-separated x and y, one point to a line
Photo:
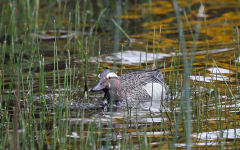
97	88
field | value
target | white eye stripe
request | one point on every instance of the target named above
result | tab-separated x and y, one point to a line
112	74
99	75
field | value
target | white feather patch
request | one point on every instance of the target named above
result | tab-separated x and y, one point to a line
112	74
155	90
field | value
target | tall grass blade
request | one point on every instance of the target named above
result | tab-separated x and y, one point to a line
186	82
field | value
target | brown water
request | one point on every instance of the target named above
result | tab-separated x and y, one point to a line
218	40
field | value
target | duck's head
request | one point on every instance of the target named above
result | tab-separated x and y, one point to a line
107	80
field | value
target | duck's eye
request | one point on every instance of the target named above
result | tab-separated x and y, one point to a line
109	77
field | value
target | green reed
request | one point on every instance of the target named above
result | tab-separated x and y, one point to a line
186	82
224	31
237	65
95	26
119	27
158	45
146	55
45	124
154	35
19	79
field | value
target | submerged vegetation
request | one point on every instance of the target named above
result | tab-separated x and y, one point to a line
52	51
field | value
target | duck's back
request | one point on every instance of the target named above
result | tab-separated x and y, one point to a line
141	84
